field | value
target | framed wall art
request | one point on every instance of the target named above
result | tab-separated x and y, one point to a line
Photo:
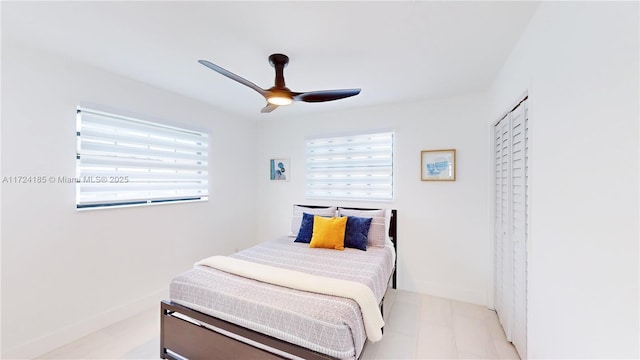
279	169
438	165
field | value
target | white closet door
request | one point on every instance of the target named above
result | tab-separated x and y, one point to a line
519	206
511	225
498	182
504	246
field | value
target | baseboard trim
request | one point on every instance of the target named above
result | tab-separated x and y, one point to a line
477	297
44	344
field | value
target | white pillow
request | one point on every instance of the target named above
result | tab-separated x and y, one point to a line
379	230
296	220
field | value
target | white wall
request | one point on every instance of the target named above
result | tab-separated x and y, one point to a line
579	62
66	273
443	227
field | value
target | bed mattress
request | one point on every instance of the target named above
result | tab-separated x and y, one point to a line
326	324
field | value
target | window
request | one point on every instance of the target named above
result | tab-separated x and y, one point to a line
355	167
126	161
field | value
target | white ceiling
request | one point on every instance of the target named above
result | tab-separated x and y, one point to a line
395	51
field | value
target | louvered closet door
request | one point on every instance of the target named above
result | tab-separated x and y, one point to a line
504	247
511	212
498	219
519	206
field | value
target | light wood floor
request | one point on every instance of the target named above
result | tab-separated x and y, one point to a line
417	327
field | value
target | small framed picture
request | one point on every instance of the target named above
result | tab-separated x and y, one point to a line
438	165
279	169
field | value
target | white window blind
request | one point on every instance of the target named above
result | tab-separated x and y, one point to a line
126	161
357	167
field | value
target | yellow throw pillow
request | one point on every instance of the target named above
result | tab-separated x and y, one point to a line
328	232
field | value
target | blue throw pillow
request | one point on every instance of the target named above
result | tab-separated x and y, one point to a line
306	229
356	233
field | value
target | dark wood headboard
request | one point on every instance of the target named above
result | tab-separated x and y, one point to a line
393	231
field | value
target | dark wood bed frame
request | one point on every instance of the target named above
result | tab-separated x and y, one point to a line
181	338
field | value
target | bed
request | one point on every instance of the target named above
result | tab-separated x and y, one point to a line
213	313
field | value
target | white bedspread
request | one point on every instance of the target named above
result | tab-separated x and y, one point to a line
360	293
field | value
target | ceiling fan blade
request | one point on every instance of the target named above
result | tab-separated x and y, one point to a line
325	95
233	76
269	108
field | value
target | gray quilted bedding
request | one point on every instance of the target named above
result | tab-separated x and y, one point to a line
323	323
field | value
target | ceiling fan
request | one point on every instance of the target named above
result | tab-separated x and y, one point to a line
279	94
